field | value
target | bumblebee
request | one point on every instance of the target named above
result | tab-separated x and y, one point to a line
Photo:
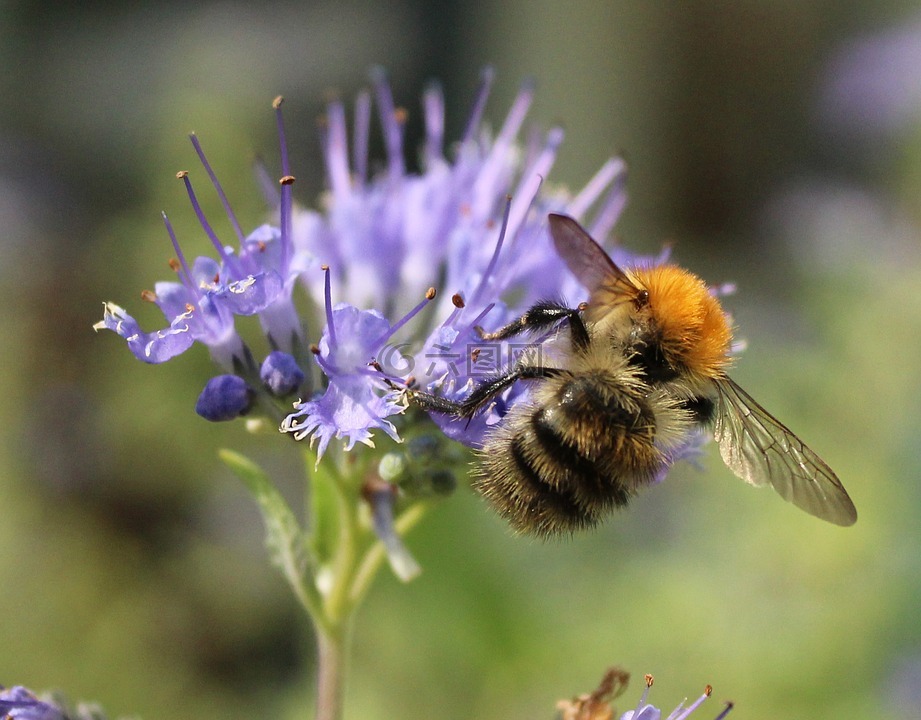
644	363
669	325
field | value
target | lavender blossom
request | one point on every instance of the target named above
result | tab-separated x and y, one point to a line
871	87
597	704
18	703
473	219
645	711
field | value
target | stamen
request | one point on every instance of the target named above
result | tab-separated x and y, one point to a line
148	296
458	301
683	713
495	255
649	679
267	184
429	296
490	176
606	174
479	318
185	277
328	297
217	186
393	130
726	710
611	208
337	158
479	104
287	179
514	119
362	133
532	180
280	122
433	102
284	213
227	259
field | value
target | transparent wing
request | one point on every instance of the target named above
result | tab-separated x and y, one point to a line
761	450
584	257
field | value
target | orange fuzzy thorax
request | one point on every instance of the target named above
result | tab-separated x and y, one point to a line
692	327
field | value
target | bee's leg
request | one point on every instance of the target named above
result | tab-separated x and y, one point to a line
544	314
481	395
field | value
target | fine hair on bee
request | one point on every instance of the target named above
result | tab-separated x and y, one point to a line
584	442
643	365
590	435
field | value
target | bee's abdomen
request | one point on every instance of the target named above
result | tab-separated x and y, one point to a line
564	463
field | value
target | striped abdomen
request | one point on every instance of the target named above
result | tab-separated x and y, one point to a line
580	448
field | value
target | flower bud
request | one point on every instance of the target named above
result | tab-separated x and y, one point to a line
225	397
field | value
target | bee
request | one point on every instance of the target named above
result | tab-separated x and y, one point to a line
643	363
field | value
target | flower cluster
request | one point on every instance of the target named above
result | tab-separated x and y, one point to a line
473	220
597	704
19	703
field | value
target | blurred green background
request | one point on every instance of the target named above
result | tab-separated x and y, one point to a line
131	564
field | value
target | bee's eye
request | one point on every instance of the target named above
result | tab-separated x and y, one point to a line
642	299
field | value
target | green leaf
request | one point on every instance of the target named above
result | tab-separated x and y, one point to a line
283	537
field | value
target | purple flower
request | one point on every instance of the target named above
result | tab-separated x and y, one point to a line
871	86
473	220
225	397
645	711
597	704
19	703
280	373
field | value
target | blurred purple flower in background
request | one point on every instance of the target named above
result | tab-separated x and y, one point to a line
21	704
871	87
18	703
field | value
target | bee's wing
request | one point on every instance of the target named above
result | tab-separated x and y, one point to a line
760	449
584	257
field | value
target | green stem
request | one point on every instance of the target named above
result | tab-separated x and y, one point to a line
347	504
332	659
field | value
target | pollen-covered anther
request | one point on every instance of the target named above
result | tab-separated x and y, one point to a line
475	354
182	174
324	268
458	301
148	296
708	690
277	102
189	307
261	246
174	265
649	680
430	294
401	115
286	180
